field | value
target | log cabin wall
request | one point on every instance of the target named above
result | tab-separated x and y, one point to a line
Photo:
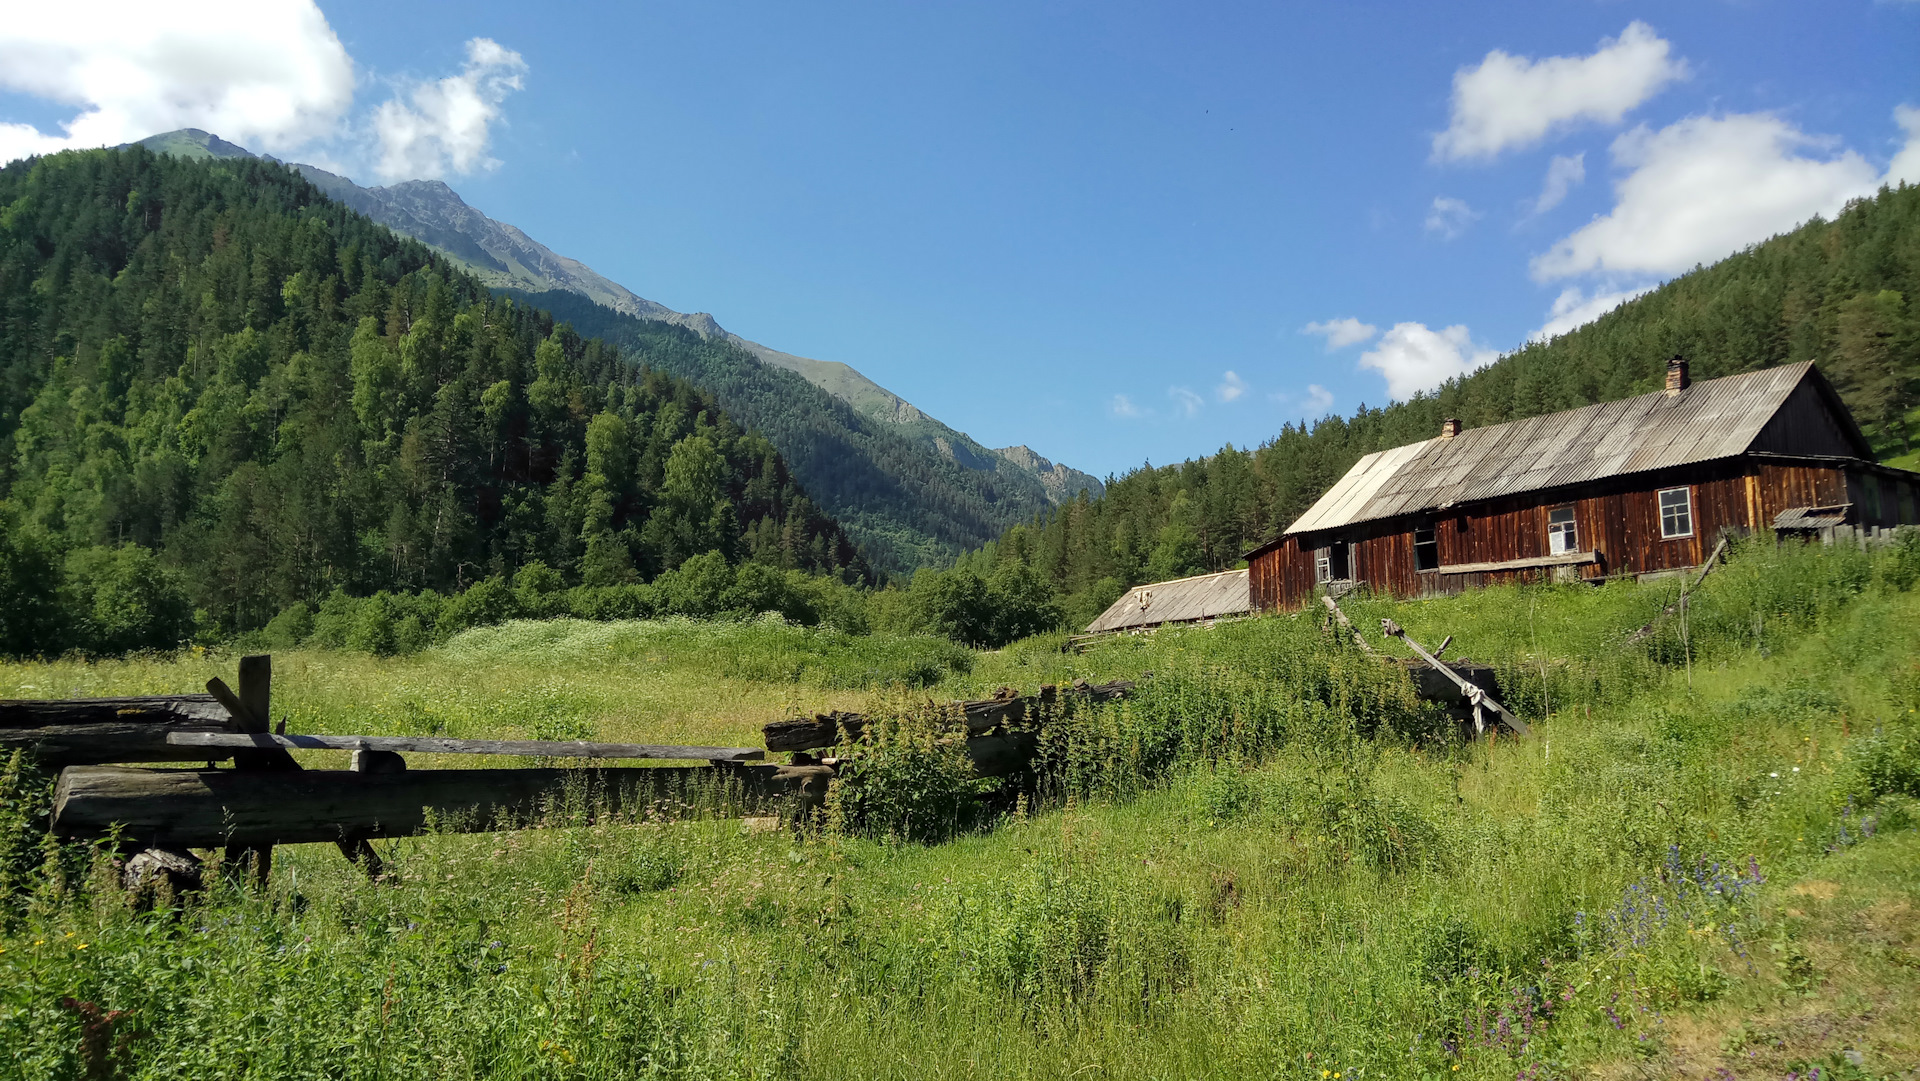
1617	519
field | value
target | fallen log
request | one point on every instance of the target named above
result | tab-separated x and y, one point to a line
807	733
532	748
212	808
90	731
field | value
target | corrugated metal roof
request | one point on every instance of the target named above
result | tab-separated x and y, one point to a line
1207	596
1812	517
1716	418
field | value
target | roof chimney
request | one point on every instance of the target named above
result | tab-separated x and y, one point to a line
1677	377
1449	427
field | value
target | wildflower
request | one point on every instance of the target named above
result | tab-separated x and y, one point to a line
81	946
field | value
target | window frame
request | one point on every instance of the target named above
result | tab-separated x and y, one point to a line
1570	529
1323	565
1660	505
1430	547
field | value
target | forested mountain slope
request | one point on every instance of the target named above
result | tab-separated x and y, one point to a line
213	362
904	502
1842	293
910	501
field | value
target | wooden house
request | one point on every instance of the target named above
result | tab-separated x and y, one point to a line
1638	486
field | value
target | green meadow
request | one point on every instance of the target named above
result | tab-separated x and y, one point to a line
1273	861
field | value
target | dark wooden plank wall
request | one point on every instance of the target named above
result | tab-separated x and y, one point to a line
1804	424
1618	518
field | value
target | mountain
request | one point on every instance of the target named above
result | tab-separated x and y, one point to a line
211	374
1843	293
1009	485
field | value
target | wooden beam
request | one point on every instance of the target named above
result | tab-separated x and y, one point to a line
91	731
1713	560
532	748
1475	695
250	811
1334	607
1565	559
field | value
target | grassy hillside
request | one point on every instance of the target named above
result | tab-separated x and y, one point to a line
1268	864
1842	293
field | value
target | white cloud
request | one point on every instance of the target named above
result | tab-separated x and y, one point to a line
1563	172
1705	187
1315	402
1123	406
1414	357
1231	387
1573	308
1511	101
1449	216
445	127
1906	164
268	74
1341	333
1186	402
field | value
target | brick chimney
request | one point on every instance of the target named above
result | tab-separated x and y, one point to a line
1677	377
1449	427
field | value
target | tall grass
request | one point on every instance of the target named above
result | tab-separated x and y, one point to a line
1269	863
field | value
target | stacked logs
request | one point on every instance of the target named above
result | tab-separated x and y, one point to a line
1001	731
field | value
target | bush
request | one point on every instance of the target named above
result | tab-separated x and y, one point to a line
31	618
122	599
291	627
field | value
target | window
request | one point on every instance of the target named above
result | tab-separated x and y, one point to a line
1871	485
1330	563
1426	550
1562	535
1676	513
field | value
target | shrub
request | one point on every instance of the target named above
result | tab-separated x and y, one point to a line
122	599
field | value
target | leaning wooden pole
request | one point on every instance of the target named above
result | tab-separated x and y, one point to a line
1713	561
1475	694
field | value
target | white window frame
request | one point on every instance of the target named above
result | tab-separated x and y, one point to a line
1322	565
1686	510
1563	537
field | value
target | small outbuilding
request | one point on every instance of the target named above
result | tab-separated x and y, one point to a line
1200	599
1643	485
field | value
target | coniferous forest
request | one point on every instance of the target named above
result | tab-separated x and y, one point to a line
224	397
1841	293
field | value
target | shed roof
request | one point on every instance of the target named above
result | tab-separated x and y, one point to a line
1712	419
1182	600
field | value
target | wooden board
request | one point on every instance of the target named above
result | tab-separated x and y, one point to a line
211	808
95	730
532	748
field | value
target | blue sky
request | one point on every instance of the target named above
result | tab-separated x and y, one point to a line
1098	229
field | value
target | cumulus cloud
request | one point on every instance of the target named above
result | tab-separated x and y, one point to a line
1906	164
1414	357
1315	401
1704	187
1123	406
1562	174
1231	387
1449	216
444	126
1341	333
1511	101
269	74
1186	402
1573	308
